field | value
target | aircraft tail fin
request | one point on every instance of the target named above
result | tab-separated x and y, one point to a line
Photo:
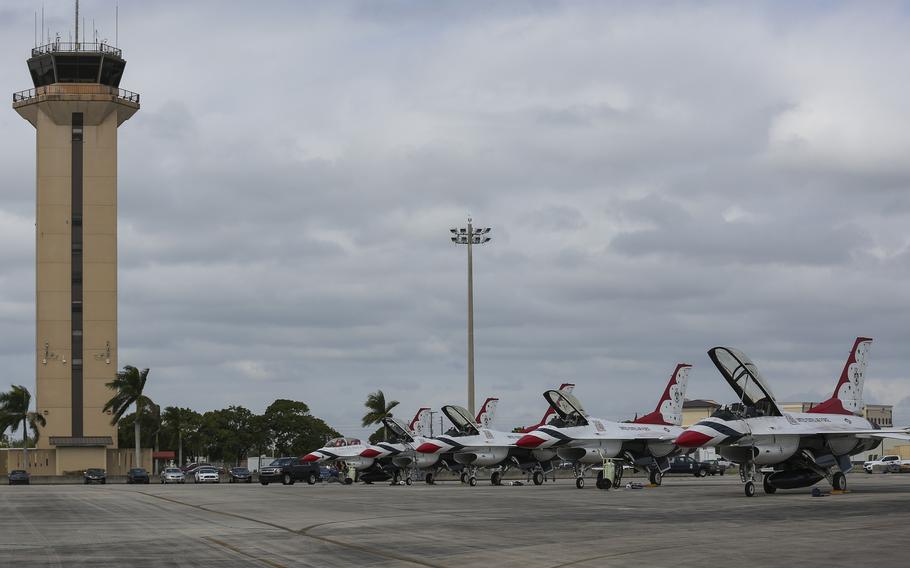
669	408
420	424
550	414
487	412
848	394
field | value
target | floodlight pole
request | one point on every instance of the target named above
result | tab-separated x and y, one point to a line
470	319
470	236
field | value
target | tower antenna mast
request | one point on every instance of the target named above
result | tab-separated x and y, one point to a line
77	21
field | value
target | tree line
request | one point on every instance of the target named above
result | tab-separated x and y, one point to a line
227	435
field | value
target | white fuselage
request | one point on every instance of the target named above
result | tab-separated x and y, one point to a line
770	440
601	439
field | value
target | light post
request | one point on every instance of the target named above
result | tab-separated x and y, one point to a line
470	236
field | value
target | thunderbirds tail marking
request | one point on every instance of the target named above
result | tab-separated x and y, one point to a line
669	407
848	394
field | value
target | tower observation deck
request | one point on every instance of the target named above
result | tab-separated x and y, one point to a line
76	106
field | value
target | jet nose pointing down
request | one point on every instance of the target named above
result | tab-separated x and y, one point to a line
428	448
529	441
692	439
309	458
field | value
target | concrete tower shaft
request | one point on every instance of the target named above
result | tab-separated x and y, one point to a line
76	108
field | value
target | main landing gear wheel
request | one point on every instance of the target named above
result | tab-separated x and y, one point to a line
538	478
766	485
839	482
655	477
429	479
472	481
580	482
396	478
750	489
407	481
464	477
496	478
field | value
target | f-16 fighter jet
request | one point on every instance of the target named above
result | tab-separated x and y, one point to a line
352	452
473	445
801	448
642	443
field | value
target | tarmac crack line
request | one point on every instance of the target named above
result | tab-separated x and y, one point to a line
305	531
236	550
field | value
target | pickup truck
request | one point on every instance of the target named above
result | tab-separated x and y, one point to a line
884	464
288	471
687	464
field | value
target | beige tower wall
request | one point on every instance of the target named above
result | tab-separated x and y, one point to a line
53	282
51	117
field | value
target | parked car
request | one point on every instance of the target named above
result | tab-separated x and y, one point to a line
95	475
240	475
137	475
881	464
687	464
19	477
288	471
190	470
207	475
172	475
715	467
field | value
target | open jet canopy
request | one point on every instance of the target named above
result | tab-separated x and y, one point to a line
566	406
461	418
745	379
398	429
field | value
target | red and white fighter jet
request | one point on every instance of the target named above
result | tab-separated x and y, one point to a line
801	448
473	445
367	458
642	443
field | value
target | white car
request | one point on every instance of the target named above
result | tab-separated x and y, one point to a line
882	464
172	475
207	475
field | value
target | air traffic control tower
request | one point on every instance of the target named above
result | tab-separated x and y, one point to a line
76	107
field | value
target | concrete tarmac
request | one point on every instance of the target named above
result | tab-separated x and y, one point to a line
686	522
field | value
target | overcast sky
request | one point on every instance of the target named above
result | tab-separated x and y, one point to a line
661	178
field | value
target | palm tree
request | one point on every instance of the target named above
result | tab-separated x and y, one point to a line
129	384
378	409
14	412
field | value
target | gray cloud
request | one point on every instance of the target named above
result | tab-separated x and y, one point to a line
660	180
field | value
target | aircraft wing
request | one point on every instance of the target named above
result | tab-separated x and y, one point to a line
893	433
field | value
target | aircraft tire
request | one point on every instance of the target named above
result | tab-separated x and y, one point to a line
580	482
766	485
429	478
472	481
600	480
538	478
656	478
496	478
840	481
749	489
407	481
464	477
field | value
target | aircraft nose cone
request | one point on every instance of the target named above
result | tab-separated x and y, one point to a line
529	441
369	453
428	448
311	458
692	439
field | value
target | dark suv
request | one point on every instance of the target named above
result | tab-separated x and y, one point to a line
687	464
137	475
94	475
289	470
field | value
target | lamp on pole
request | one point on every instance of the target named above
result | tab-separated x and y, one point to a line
470	236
